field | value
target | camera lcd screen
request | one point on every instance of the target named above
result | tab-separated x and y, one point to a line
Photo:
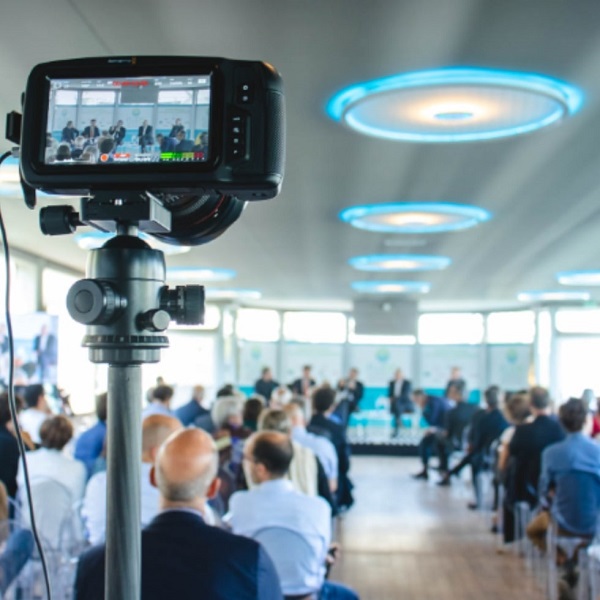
128	120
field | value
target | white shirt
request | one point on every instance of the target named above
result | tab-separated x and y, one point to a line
53	464
31	420
321	446
94	504
276	504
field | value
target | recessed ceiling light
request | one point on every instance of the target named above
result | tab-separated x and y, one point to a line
399	262
232	294
391	287
582	278
200	274
414	217
454	104
90	240
553	296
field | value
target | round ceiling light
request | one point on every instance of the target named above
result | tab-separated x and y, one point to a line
199	274
582	278
454	105
553	296
399	262
391	287
91	240
414	217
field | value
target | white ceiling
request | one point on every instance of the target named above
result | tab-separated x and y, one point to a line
543	188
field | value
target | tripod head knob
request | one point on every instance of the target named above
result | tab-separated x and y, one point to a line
185	304
94	302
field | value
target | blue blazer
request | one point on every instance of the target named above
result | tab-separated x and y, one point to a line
185	559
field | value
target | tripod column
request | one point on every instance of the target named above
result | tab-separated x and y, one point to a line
124	451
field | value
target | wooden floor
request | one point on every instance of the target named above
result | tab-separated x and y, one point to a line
406	539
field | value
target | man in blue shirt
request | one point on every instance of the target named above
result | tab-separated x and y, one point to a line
90	443
188	413
569	484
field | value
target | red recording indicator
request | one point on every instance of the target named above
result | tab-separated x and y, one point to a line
104	157
121	156
134	83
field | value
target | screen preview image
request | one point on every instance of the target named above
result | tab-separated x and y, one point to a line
128	120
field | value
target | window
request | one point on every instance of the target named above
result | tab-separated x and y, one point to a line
578	321
66	97
314	327
258	325
544	348
175	97
516	327
451	328
96	97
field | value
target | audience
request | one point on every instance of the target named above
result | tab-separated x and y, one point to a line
321	424
160	403
275	503
36	413
155	430
183	557
252	409
49	462
90	443
9	449
266	385
189	413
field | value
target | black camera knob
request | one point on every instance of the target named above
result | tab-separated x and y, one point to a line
185	304
94	302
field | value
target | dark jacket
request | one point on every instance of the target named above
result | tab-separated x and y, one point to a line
487	430
186	559
9	460
188	413
265	388
456	421
434	411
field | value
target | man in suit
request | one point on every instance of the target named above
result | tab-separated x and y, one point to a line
44	346
321	424
182	556
177	128
118	132
266	385
353	389
145	136
304	385
399	392
455	377
91	132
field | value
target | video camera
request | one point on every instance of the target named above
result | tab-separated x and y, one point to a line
175	144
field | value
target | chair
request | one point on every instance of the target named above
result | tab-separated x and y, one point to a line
299	570
593	562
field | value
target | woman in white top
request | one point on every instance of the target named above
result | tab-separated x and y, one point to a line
49	462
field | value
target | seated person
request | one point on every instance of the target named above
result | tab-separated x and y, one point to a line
160	402
189	413
252	409
90	443
182	557
49	462
275	503
166	144
9	449
569	486
183	144
155	430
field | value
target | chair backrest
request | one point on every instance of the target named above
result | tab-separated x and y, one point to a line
300	569
53	508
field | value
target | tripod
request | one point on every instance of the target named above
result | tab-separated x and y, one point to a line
126	307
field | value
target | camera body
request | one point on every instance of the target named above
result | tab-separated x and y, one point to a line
170	126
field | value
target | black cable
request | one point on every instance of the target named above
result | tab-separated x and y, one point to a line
11	396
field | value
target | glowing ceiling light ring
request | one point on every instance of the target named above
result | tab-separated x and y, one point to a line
399	262
567	99
391	287
553	296
469	216
585	278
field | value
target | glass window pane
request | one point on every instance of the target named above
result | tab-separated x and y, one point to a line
203	97
175	97
258	325
578	320
314	327
451	328
66	97
95	97
512	327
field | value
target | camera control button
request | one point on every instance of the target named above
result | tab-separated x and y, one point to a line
245	93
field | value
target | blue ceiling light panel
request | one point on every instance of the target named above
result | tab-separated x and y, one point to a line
199	274
391	287
454	105
399	262
553	296
583	278
414	217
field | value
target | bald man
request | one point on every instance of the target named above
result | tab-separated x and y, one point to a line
183	557
155	430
